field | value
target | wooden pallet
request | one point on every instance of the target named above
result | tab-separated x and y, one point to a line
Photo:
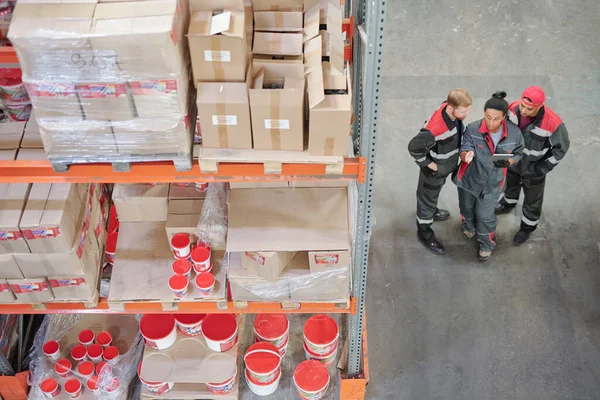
292	305
122	163
209	159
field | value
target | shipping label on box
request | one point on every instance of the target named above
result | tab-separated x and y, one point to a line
267	265
13	197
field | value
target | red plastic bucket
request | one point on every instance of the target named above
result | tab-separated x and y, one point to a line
321	334
223	387
93	384
63	368
52	349
50	388
159	330
104	339
111	246
86	337
79	353
190	324
182	267
325	359
205	282
86	369
263	389
311	379
179	285
111	353
220	331
73	388
263	362
274	329
181	245
94	352
201	259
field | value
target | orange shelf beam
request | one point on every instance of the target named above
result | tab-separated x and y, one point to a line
164	172
103	307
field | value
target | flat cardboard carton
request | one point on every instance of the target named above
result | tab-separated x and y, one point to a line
161	97
257	185
162	135
216	5
8	155
218	46
51	218
105	101
183	217
11	134
293	219
87	138
31	154
31	291
73	288
13	197
277	21
177	192
277	43
277	108
326	17
32	141
6	295
9	269
32	125
224	114
55	101
141	202
266	264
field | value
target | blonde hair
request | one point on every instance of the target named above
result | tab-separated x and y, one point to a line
459	98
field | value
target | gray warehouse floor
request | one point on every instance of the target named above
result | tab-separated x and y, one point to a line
526	324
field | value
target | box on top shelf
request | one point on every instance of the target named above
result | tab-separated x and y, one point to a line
13	197
218	46
266	264
141	202
161	97
224	114
172	135
105	101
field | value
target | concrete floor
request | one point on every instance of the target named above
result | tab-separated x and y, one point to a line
526	324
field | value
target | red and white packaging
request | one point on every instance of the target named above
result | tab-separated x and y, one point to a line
52	350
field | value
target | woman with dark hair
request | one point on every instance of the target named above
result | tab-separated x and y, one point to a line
488	147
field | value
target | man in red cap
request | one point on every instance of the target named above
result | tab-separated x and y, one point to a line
546	143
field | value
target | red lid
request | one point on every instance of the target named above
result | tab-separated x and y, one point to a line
157	326
205	280
111	352
219	327
321	329
200	254
103	367
62	366
51	347
72	385
180	240
311	376
190	319
104	338
86	368
78	352
94	351
262	362
181	266
92	383
178	282
271	326
86	336
49	385
111	242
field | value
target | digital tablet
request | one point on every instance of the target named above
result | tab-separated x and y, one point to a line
496	157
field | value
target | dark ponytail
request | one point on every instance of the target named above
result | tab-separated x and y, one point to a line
497	102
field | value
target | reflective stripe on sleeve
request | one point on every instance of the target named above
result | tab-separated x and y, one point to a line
536	153
553	160
446	134
443	156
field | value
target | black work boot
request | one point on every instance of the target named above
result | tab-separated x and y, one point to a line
432	245
441	215
502	209
521	237
484	255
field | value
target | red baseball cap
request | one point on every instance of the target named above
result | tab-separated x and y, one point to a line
535	94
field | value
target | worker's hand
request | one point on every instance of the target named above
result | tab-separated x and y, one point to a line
502	163
433	166
467	156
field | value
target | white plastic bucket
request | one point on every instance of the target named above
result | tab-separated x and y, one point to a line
156	388
311	379
222	388
63	368
50	388
181	245
179	285
52	350
325	359
321	334
274	329
190	324
95	352
182	267
201	259
220	331
263	389
159	330
205	282
263	362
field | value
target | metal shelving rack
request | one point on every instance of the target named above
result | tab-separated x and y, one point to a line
368	20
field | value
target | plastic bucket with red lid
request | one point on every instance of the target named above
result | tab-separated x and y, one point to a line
326	359
220	331
154	387
104	338
201	259
190	324
63	368
50	388
274	329
103	368
79	353
52	349
93	384
205	282
181	245
94	352
223	387
86	337
111	246
321	334
263	362
73	388
179	285
86	369
159	330
311	379
263	389
182	267
111	353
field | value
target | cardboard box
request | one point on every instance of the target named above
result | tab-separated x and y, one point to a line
216	5
183	217
31	291
141	202
32	141
9	269
278	44
51	218
326	17
277	114
73	288
320	261
13	197
105	101
11	134
6	295
89	138
267	265
164	97
277	21
257	185
8	155
278	5
177	192
32	125
55	101
31	154
165	135
224	114
281	66
218	46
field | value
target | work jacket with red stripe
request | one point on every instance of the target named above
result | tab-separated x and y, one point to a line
438	141
546	141
481	177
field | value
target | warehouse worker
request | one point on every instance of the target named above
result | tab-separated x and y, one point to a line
481	175
435	150
546	143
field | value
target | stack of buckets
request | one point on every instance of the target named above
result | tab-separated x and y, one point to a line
321	339
263	368
187	258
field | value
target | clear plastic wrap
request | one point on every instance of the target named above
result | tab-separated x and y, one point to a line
212	227
107	82
64	329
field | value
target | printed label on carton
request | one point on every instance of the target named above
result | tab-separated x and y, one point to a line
256	257
102	90
153	87
41	233
327	258
217	56
224	119
29	287
51	89
10	235
67	282
277	124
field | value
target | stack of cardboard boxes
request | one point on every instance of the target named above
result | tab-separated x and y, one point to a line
108	81
50	241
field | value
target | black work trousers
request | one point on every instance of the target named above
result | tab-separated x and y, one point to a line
478	216
428	192
533	187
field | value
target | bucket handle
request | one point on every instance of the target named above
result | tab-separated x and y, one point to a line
262	351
